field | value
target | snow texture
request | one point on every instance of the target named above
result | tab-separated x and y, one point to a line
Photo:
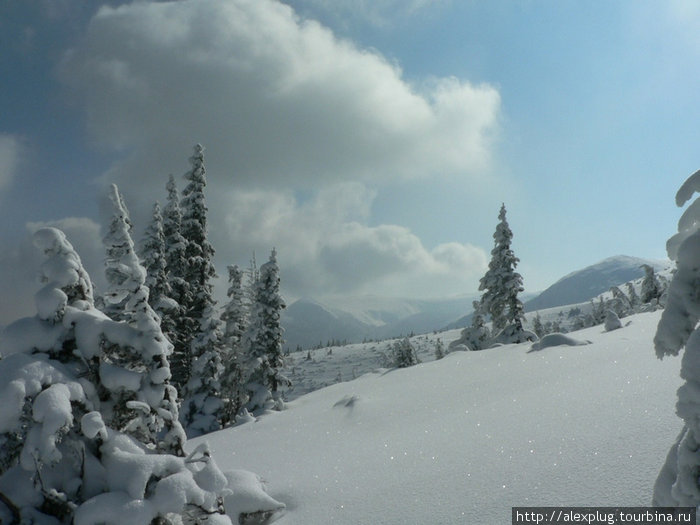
435	443
556	339
612	321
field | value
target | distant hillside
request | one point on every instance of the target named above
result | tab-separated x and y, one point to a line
307	322
582	285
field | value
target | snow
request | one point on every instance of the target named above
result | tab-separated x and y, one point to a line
556	339
462	439
250	495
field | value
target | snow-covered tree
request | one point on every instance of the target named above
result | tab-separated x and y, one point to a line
477	335
633	296
537	326
263	341
612	321
61	460
620	303
154	261
501	284
404	355
142	403
181	334
677	484
439	349
651	288
202	393
234	316
598	312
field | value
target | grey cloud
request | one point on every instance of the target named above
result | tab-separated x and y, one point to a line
10	154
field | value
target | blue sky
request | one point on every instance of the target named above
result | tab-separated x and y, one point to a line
371	143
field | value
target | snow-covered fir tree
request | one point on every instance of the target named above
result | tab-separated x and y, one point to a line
143	404
620	303
404	354
117	248
202	394
633	296
154	261
61	460
477	335
612	321
439	349
537	326
235	318
651	288
677	484
263	341
175	243
501	284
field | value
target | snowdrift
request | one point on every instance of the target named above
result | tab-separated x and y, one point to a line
463	439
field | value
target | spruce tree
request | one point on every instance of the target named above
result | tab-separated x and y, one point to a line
651	288
263	341
501	284
633	297
677	483
234	316
157	280
144	404
202	394
537	326
404	354
181	334
61	460
439	349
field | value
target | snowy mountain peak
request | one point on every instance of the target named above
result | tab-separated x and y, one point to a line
584	284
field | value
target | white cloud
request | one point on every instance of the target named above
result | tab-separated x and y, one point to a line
273	98
285	109
10	154
325	246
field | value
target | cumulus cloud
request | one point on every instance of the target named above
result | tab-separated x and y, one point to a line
10	153
325	246
298	124
273	97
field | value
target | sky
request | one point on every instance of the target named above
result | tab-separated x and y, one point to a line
371	143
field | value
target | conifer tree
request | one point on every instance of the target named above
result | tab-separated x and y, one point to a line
59	453
439	349
537	326
202	394
677	483
181	334
404	354
234	317
620	303
476	335
147	403
501	284
651	289
633	297
157	279
263	341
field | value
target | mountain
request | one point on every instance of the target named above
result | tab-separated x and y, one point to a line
582	285
308	322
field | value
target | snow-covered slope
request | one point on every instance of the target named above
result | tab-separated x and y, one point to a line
463	439
582	285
